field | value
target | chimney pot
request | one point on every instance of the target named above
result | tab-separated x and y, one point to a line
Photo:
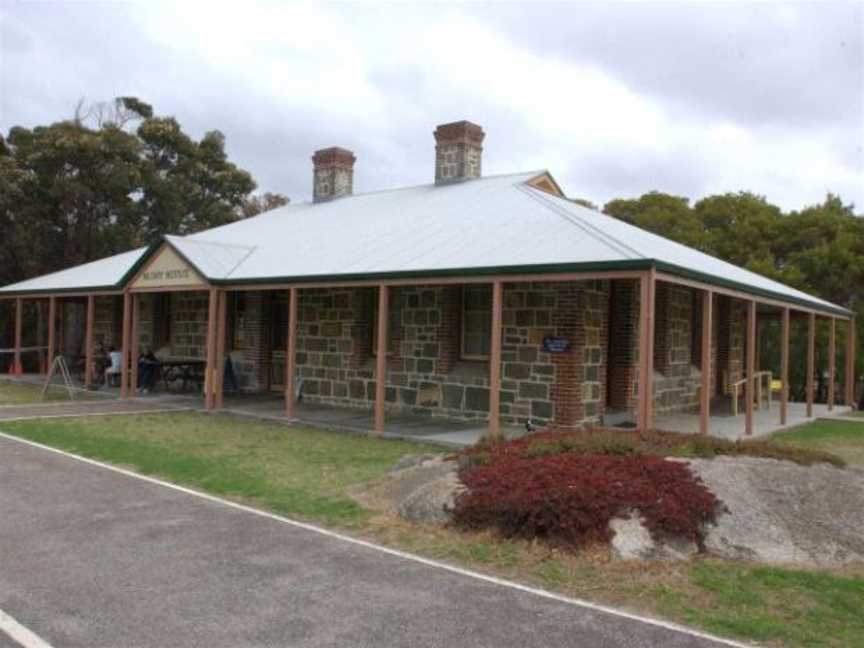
333	174
458	152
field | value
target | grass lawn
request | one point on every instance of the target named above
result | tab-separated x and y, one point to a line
842	438
307	474
294	471
24	394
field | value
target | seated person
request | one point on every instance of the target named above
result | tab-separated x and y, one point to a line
116	366
148	371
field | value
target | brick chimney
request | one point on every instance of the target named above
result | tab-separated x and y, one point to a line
458	152
333	173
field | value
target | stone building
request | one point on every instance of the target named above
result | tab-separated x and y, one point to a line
455	299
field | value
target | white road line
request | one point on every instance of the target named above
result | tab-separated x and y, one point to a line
20	634
395	552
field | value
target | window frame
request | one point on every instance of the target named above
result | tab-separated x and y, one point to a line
238	324
463	355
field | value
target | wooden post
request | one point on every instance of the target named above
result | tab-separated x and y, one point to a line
645	416
381	358
705	393
850	363
52	320
125	340
832	361
210	372
751	367
811	360
494	430
221	332
134	344
88	340
784	366
61	333
291	355
17	369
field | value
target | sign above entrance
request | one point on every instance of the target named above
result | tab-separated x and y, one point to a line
167	269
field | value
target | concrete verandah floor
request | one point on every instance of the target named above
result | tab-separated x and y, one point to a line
765	421
270	406
361	421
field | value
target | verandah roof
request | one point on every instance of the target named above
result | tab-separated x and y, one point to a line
494	225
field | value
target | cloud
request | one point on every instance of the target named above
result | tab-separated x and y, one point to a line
615	99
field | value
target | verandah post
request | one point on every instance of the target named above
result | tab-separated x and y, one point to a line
494	430
291	355
381	358
751	367
705	393
784	366
832	361
16	359
209	373
850	362
811	360
88	340
125	338
52	319
134	348
221	331
645	415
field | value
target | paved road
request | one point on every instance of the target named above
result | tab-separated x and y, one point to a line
91	557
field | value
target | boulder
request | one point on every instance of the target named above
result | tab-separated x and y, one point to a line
418	488
432	503
631	540
780	512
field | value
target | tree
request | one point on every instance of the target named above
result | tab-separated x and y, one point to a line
112	178
664	214
740	228
254	205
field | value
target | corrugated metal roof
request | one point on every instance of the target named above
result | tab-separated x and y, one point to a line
102	274
493	223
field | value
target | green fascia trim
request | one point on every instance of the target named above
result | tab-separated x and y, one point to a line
686	273
60	291
598	266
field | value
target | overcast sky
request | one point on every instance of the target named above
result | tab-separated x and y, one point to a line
615	99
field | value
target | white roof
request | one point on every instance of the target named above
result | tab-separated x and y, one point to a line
102	274
495	224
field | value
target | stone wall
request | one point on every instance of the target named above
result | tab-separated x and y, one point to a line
425	375
108	321
731	324
676	378
623	354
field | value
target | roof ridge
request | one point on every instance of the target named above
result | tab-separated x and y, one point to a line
496	176
602	237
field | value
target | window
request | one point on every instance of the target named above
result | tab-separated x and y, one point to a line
161	320
238	322
476	322
279	321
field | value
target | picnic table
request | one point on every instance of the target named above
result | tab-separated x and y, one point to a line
188	370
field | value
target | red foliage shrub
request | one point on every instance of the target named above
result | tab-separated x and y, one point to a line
570	498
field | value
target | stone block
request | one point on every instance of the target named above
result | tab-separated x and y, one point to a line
477	399
452	395
531	391
429	394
